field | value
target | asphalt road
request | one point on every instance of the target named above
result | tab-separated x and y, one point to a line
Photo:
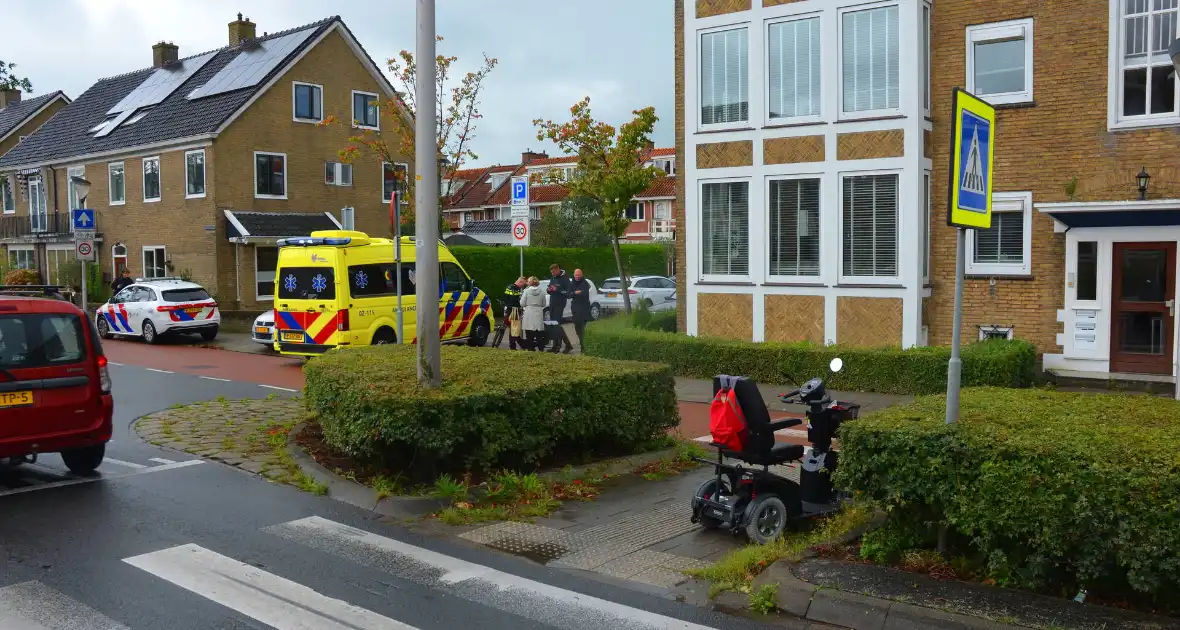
164	540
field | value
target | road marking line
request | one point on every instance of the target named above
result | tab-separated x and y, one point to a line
214	378
282	389
161	460
160	371
73	482
21	603
533	600
113	363
119	462
262	596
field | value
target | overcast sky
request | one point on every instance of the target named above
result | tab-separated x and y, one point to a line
551	52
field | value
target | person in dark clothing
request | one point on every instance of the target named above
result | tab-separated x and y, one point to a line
580	303
123	281
559	291
512	314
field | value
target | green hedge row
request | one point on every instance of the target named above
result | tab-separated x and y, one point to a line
494	268
882	370
1054	489
495	409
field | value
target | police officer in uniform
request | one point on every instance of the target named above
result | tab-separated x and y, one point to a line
512	314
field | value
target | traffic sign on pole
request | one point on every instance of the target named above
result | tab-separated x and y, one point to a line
520	232
83	219
520	192
85	251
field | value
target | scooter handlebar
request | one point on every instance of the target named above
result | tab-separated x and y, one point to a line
789	395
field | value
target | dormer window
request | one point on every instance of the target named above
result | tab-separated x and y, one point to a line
666	165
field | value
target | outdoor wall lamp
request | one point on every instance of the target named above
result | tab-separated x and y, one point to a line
1142	179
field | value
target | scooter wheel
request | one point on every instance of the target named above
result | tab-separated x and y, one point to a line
768	518
708	489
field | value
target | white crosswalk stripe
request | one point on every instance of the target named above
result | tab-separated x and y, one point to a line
47	474
35	606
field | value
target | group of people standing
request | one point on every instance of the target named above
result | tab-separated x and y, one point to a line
524	311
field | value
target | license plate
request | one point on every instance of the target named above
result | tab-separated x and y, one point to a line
717	513
192	311
612	294
262	330
297	337
16	399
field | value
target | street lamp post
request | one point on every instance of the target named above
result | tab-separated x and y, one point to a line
1174	55
426	201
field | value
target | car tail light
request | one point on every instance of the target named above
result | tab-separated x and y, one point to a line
104	375
342	323
632	291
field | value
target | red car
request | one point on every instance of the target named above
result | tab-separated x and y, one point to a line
55	388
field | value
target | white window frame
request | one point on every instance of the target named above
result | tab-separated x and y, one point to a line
115	259
926	54
1004	330
901	210
662	204
72	200
395	165
6	180
928	214
286	171
204	172
352	109
641	214
163	263
1002	31
258	296
42	207
338	170
51	270
823	71
766	240
750	107
13	248
1115	47
111	189
750	212
901	93
294	107
1004	202
143	178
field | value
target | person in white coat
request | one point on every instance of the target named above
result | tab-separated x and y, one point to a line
532	304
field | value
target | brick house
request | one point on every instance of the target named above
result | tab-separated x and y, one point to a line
198	165
480	206
849	115
19	118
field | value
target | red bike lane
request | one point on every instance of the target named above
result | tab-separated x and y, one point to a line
274	371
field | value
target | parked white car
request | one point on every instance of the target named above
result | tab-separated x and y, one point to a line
595	303
263	330
656	292
157	307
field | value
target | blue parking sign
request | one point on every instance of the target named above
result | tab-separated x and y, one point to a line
520	191
83	218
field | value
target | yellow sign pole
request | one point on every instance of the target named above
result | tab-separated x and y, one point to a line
969	206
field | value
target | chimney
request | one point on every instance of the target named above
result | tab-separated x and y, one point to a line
529	156
241	30
9	97
164	54
649	145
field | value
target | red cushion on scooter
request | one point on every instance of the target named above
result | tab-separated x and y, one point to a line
727	424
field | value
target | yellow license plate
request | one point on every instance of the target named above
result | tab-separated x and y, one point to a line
612	294
297	337
192	311
262	330
16	399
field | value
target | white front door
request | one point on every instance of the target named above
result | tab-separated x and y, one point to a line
38	213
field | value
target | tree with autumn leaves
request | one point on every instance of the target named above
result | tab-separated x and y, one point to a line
610	166
457	101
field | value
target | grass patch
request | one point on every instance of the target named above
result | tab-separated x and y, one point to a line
762	601
671	465
737	570
509	496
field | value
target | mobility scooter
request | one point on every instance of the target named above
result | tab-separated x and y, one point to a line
756	502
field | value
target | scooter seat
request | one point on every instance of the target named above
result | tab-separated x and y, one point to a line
778	454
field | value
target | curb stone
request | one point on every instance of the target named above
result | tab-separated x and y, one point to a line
793	595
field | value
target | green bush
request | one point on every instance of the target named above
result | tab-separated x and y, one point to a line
882	370
494	268
1054	489
495	409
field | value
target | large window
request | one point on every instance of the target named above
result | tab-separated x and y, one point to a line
151	179
635	211
270	175
194	173
794	227
154	259
116	184
366	110
337	174
22	257
309	102
266	261
1087	284
725	228
725	77
1148	81
7	197
1000	61
870	213
71	193
794	68
1004	248
56	259
869	51
393	178
926	58
38	209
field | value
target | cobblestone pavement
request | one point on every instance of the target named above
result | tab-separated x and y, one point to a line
248	434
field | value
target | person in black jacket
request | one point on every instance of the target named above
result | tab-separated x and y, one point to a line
512	314
580	304
559	291
122	282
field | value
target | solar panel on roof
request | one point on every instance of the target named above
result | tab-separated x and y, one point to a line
160	84
252	65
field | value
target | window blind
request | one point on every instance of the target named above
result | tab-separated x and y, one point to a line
794	227
794	62
725	233
871	75
1003	242
870	226
725	82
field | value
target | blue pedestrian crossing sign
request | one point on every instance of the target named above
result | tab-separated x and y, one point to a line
972	159
83	219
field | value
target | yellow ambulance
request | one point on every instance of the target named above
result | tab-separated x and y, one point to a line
339	288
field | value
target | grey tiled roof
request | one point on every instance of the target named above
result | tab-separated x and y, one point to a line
492	226
12	116
279	224
67	134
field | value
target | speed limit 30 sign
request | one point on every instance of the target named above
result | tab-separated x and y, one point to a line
85	250
520	232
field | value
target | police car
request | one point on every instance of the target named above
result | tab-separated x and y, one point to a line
157	307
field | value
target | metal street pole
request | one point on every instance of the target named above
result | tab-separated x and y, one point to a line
954	370
396	216
426	200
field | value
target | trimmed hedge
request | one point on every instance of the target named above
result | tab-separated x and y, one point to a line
1053	489
494	268
495	409
882	370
